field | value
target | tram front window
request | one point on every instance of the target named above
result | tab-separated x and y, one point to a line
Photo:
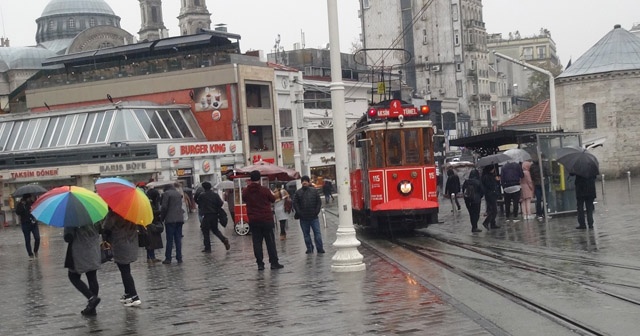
394	148
412	147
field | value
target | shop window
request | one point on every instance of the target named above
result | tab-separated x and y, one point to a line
157	123
28	134
146	124
170	124
181	123
258	96
64	130
261	138
39	135
590	116
77	130
286	123
6	130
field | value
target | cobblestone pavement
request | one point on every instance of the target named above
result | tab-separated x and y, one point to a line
222	293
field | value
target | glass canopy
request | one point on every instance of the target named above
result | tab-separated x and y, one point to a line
98	128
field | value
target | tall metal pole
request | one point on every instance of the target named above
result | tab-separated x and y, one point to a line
294	96
347	257
552	86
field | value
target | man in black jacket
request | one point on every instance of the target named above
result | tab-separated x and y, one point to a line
210	207
585	195
307	205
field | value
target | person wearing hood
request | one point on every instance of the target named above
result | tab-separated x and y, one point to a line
526	191
259	200
473	192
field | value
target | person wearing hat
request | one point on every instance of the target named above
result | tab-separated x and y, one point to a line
259	200
29	225
307	205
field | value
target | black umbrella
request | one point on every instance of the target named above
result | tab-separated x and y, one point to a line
579	162
34	189
493	159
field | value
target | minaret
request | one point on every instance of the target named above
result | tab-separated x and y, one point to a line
152	27
193	15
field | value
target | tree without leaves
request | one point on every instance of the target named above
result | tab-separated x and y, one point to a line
539	83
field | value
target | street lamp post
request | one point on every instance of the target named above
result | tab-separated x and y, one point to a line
552	86
347	257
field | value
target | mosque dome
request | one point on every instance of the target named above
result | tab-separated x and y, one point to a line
71	7
63	20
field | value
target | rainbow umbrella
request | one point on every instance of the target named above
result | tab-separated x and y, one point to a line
69	206
126	200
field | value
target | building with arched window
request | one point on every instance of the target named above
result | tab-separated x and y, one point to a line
598	96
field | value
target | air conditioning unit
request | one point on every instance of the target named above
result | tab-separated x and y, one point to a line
435	68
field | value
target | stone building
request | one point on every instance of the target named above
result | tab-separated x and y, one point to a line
152	27
193	16
598	95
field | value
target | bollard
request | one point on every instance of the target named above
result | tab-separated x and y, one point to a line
603	193
629	182
453	203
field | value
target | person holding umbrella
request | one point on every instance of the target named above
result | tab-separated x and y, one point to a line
29	225
83	257
123	236
585	167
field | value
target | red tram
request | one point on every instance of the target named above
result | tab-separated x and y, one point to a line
392	168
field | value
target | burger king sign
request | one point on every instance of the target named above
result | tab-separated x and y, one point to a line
206	166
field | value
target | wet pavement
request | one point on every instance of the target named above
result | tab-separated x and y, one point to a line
223	292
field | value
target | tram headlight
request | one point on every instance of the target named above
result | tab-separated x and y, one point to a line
405	187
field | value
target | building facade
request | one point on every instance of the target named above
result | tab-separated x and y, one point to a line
152	23
597	96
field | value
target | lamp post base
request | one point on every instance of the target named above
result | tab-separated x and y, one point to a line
347	258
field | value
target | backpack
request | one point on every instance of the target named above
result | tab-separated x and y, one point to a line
470	191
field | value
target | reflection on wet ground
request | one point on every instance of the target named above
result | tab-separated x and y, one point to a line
615	235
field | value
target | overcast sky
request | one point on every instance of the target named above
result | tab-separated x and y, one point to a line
574	25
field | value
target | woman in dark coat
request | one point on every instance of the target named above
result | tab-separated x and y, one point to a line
154	230
473	191
452	187
490	186
83	256
123	236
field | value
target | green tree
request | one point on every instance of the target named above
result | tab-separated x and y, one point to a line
539	82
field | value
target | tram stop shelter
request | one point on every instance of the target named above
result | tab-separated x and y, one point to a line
542	144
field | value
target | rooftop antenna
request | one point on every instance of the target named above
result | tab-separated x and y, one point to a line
302	38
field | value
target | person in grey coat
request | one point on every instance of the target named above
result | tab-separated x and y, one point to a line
83	257
123	236
307	205
171	214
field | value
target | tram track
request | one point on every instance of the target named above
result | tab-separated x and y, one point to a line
550	313
436	255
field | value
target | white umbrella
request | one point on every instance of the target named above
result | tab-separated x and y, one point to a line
518	154
224	185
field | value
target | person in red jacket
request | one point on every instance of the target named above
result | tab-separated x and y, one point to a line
259	200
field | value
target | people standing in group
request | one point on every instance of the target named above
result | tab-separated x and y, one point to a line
282	196
171	213
452	188
490	187
327	190
123	237
83	257
307	205
473	193
526	191
29	225
585	195
210	208
510	177
155	229
259	200
536	179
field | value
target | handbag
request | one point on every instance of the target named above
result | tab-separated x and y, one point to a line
288	205
106	253
143	237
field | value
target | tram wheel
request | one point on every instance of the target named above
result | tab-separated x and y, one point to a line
241	228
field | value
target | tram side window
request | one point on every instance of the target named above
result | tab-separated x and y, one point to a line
427	143
377	150
394	148
412	147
